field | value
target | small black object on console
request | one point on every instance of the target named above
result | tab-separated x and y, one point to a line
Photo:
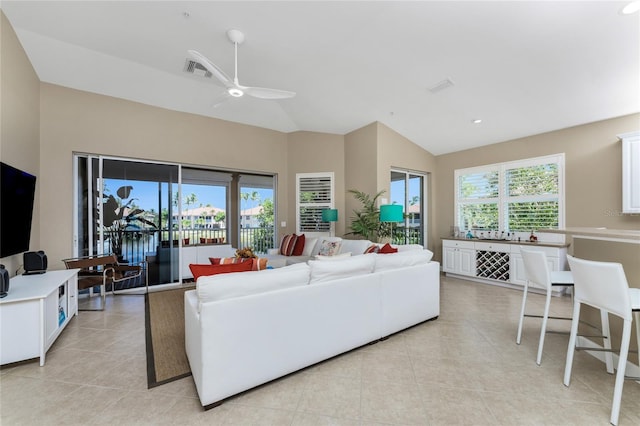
35	262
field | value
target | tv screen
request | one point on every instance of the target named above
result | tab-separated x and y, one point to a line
17	190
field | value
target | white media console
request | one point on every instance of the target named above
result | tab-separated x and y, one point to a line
34	313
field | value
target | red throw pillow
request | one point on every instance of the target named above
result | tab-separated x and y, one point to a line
206	270
387	249
288	244
299	247
373	248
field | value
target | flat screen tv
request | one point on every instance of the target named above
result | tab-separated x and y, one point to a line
17	190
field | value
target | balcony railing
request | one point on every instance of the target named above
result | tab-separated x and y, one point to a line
137	244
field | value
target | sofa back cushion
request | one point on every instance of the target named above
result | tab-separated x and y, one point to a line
409	247
208	270
219	287
402	259
355	247
309	246
328	271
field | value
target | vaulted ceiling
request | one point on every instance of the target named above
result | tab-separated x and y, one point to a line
523	68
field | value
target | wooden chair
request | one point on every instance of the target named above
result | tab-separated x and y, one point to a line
100	270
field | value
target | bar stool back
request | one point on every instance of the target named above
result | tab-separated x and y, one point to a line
538	274
602	285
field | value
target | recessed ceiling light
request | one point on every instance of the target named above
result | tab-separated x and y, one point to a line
632	7
477	121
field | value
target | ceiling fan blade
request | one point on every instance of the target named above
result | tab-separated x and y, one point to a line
219	100
213	69
264	93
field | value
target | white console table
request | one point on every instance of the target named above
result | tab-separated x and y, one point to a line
30	313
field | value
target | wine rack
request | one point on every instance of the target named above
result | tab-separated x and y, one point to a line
492	264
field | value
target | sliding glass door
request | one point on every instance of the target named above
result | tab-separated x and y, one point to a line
257	212
409	190
155	212
125	207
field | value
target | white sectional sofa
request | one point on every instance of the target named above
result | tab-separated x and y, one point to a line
246	329
312	248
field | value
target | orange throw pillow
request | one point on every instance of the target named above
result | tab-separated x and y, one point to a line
206	270
387	249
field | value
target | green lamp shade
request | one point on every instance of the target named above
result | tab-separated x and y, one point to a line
330	215
391	213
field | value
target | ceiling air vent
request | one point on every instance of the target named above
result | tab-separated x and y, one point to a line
441	85
193	67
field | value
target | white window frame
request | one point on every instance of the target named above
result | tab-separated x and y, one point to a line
327	204
503	199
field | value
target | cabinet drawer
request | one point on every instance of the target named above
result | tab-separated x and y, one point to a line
458	244
549	251
504	248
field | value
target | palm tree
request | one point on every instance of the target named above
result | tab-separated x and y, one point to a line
189	200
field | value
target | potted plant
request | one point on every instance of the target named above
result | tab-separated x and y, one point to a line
119	216
366	222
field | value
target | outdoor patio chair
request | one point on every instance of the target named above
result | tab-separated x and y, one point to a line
100	270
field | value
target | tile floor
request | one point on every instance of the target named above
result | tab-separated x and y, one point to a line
463	368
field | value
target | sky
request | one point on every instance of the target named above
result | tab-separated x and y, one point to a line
146	194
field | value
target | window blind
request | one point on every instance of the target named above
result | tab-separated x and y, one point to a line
314	194
522	195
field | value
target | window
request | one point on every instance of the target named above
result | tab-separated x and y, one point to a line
517	196
314	193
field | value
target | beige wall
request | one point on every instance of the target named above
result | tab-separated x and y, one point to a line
593	172
360	158
76	121
397	152
19	122
311	152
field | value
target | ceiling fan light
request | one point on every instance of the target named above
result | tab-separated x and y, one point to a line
235	92
631	8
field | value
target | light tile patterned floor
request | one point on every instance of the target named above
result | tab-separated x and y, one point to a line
463	368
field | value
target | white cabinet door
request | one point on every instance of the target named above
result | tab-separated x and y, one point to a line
630	172
458	257
467	262
449	259
516	273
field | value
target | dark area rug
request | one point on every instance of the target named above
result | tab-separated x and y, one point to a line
164	320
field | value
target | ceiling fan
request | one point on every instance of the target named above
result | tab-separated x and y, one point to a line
234	88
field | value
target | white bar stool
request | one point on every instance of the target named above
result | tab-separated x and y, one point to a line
604	286
539	275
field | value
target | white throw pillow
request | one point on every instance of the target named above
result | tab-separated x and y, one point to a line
329	248
226	286
329	271
385	262
309	245
355	246
316	249
334	257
